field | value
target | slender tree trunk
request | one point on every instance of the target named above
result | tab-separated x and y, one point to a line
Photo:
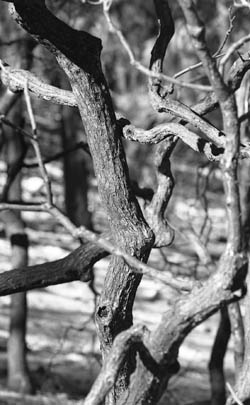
237	327
243	382
18	375
217	378
242	387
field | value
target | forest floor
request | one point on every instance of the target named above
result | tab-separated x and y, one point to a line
63	349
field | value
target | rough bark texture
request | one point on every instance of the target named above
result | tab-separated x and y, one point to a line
75	266
78	53
242	387
75	171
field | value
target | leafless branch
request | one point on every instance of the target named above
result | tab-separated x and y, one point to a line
196	30
139	66
30	163
35	144
233	48
217	54
195	66
234	396
82	232
124	342
15	80
228	32
16	127
163	131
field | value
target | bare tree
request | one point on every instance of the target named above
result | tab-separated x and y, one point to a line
137	363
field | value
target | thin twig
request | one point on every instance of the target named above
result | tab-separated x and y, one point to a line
231	20
193	67
23	206
10	124
80	145
233	48
35	144
217	54
196	30
138	65
179	284
235	398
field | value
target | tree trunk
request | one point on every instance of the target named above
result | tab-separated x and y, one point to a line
75	172
78	53
217	378
18	375
15	149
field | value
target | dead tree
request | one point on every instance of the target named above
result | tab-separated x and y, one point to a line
137	363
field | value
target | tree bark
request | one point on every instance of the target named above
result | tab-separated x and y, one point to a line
78	53
76	172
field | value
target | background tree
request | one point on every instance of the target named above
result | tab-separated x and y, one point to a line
137	363
15	149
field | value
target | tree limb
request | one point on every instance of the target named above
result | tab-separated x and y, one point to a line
15	80
125	342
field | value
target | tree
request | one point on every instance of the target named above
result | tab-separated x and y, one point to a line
137	364
15	151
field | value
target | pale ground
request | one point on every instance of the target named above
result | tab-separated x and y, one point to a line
66	360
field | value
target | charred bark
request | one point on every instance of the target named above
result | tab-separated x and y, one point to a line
216	370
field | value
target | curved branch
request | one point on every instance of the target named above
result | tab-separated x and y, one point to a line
15	80
163	131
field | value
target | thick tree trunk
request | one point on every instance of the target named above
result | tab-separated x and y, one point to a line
75	171
78	53
242	387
